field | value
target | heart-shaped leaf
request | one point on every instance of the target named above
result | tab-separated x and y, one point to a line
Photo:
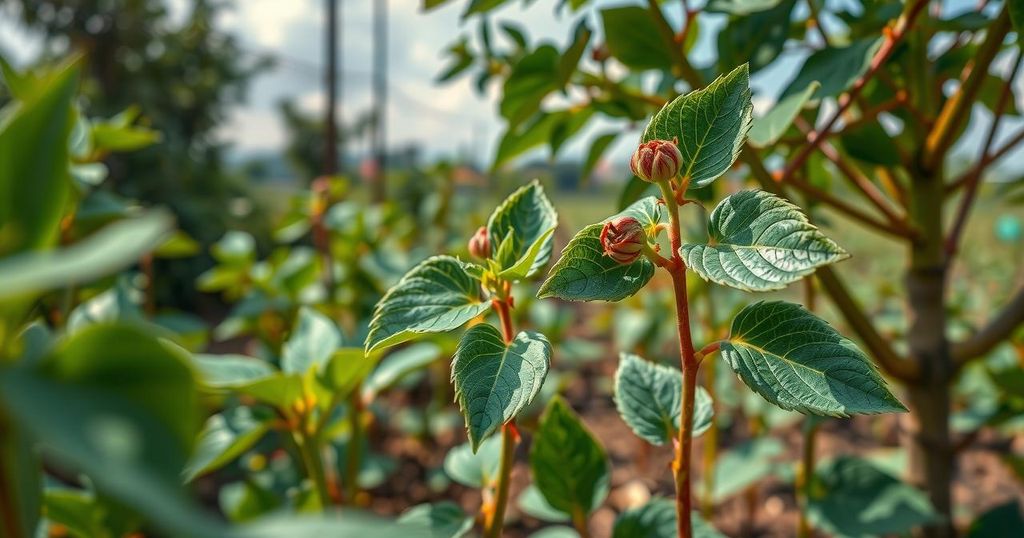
648	397
437	295
569	467
798	362
493	380
584	273
709	124
528	216
759	242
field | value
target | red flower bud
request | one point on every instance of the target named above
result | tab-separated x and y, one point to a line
657	160
480	244
623	239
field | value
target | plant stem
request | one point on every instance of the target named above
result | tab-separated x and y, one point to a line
805	476
509	436
688	363
314	467
579	522
355	442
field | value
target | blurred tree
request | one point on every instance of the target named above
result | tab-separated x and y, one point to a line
306	138
184	76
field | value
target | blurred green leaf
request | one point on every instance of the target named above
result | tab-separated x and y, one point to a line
860	501
532	502
224	437
757	38
569	467
493	380
474	469
740	7
532	78
597	149
444	519
870	143
311	343
769	128
657	519
1003	521
76	510
230	371
836	68
744	465
399	364
632	37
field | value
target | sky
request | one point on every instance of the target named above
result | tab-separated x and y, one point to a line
445	120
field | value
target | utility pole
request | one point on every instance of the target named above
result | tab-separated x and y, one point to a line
380	97
330	166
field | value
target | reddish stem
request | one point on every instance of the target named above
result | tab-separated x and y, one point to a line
502	305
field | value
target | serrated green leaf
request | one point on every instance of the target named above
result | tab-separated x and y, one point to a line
444	519
224	437
494	381
528	215
759	242
312	342
657	519
584	273
710	125
437	295
648	398
861	500
475	470
569	467
769	128
836	68
798	362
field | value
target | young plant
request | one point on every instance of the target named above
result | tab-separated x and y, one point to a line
496	371
757	242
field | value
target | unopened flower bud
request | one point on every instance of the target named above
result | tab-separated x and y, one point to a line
480	244
623	239
657	160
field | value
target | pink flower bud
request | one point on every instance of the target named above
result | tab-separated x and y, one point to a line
657	160
480	244
623	239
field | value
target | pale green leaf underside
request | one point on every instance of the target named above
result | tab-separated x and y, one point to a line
527	214
311	343
759	242
584	273
494	381
798	362
648	397
435	296
710	124
569	467
769	128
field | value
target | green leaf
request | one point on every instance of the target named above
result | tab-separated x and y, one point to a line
835	68
444	519
399	364
632	37
340	523
759	242
543	128
769	128
597	149
230	371
438	295
657	519
105	252
1003	521
531	80
225	437
532	502
870	143
522	268
798	362
584	273
569	466
740	7
745	465
312	342
861	500
76	510
346	368
648	398
528	216
494	381
474	469
120	407
34	174
571	57
710	125
1016	8
757	38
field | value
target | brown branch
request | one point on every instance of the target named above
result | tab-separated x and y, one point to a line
998	329
957	107
974	180
892	38
962	181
